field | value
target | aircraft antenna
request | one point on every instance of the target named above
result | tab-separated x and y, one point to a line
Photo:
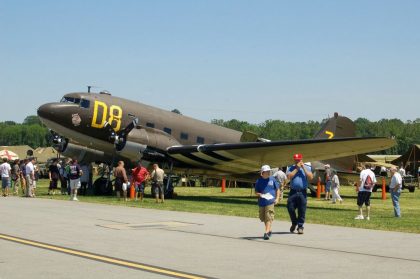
90	87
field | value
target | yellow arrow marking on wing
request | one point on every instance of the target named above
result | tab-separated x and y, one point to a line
330	134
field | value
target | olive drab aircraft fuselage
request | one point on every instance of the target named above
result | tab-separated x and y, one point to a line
103	128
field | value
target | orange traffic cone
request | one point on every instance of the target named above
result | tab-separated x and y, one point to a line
383	189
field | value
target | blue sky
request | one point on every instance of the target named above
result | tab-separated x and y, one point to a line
248	60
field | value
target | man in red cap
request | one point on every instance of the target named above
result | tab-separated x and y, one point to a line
299	174
297	157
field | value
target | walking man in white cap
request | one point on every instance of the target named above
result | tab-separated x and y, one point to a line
268	193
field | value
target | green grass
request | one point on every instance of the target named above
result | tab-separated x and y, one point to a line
241	202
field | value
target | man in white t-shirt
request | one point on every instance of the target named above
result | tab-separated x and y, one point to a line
335	186
30	177
383	171
367	182
395	190
6	174
281	178
402	171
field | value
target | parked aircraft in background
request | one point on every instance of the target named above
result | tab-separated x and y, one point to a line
103	128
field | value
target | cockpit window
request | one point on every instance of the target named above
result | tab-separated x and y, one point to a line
84	103
70	100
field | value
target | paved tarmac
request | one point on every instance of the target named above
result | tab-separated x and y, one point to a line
41	238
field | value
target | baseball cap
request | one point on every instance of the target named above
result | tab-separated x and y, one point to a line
297	157
265	168
327	166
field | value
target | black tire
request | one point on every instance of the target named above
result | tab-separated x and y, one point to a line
101	189
313	190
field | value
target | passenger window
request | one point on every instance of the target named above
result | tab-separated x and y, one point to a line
200	140
150	125
84	103
167	130
184	136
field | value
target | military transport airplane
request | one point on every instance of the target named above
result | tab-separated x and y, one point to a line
101	127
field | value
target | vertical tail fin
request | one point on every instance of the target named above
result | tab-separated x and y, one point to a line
337	127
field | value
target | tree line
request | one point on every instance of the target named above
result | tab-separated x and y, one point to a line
33	133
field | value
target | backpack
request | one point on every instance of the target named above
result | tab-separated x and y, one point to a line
368	183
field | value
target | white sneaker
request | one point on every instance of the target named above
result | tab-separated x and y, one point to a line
75	199
359	217
368	218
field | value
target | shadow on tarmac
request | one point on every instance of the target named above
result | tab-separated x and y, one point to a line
252	201
227	199
260	237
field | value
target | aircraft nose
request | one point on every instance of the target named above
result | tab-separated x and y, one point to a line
47	111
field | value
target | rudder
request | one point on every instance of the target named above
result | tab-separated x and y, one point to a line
337	127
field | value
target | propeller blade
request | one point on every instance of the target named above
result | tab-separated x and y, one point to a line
129	127
118	139
122	135
112	135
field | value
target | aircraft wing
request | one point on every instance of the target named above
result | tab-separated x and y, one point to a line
248	157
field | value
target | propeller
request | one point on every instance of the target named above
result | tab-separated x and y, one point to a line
58	141
119	138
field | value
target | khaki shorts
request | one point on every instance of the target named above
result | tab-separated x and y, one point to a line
75	184
267	213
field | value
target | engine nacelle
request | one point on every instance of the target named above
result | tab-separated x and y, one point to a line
141	143
132	150
84	154
145	140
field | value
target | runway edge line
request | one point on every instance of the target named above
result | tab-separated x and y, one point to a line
101	258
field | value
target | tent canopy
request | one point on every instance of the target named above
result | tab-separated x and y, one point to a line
412	155
10	155
380	164
20	150
42	154
410	160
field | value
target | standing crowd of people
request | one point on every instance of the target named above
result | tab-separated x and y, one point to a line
20	177
138	179
22	174
73	178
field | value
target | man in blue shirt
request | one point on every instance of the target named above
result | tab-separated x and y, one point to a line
268	193
299	174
